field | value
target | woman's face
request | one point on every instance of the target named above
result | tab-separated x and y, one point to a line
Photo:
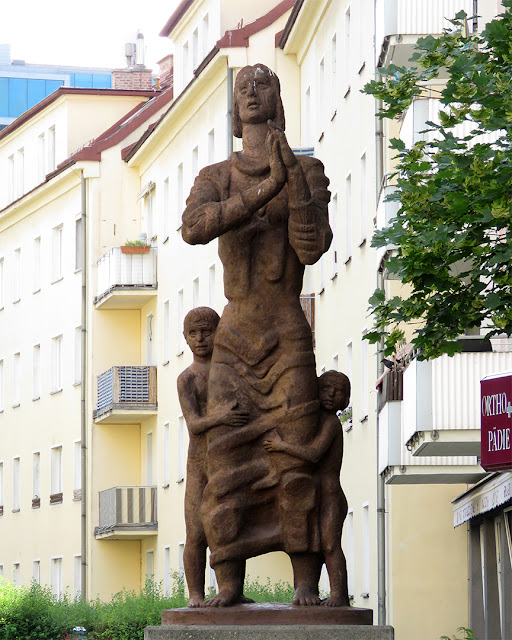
255	96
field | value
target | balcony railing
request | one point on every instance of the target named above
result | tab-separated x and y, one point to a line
127	512
129	390
132	277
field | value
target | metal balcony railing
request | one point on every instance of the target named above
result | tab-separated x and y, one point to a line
129	508
118	270
126	387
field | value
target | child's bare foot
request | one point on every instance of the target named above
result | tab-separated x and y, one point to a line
245	600
195	601
335	600
304	597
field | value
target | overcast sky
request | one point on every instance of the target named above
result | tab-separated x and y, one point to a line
91	33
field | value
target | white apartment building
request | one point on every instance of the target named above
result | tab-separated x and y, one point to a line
408	452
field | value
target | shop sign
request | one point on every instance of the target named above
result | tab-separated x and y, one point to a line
496	430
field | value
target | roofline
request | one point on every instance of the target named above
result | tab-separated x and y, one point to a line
178	14
290	24
240	37
61	91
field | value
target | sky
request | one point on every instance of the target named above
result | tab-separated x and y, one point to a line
89	34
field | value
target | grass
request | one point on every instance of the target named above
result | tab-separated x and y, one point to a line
34	613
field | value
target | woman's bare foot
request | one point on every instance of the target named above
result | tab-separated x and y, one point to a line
223	599
195	601
304	597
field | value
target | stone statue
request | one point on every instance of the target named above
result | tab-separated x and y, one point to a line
326	450
268	209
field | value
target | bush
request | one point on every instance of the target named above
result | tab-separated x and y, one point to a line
34	613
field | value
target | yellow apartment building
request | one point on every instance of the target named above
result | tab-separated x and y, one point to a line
410	449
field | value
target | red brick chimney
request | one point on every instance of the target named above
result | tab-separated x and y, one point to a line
136	75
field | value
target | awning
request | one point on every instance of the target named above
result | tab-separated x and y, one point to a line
485	496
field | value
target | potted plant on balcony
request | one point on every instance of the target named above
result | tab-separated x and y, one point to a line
135	246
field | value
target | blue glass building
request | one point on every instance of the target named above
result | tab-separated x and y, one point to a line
24	85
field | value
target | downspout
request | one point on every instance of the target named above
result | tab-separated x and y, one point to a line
83	393
381	487
230	112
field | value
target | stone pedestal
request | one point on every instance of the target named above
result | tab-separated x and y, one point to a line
268	621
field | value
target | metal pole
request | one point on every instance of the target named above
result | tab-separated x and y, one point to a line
83	394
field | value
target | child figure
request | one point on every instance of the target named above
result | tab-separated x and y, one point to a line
326	449
199	330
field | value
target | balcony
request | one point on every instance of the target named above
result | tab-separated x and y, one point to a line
127	513
401	22
126	280
126	395
442	402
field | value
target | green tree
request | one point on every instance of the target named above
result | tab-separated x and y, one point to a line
453	228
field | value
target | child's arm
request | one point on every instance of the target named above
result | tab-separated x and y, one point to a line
310	453
196	423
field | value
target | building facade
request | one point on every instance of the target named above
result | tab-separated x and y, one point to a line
409	450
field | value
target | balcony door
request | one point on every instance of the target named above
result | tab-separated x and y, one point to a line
149	340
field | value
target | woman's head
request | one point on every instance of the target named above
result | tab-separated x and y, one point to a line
257	98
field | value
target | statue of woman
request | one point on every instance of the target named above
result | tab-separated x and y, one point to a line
268	208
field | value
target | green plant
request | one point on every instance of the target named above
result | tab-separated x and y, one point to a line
468	635
454	189
135	243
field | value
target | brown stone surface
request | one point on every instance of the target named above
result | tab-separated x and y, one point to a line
268	613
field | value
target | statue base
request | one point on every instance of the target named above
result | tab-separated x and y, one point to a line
265	621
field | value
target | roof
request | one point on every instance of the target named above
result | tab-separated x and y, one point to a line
240	37
289	25
178	14
61	91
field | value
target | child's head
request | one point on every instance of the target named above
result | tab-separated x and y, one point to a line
334	390
199	330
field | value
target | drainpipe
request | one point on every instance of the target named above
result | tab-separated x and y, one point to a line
381	488
83	393
230	111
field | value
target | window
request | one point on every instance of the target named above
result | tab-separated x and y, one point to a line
321	276
321	96
349	550
346	79
165	209
16	380
16	484
364	377
19	187
2	287
149	458
1	488
334	228
180	203
365	542
166	328
10	178
348	360
181	450
16	574
167	571
36	372
36	480
36	571
181	564
56	577
36	265
51	149
56	475
185	64
79	243
211	286
149	339
335	362
195	293
41	157
362	201
195	162
195	48
147	213
205	37
77	575
179	320
16	275
167	454
77	470
211	146
334	63
348	218
150	565
77	377
57	253
56	364
307	118
1	385
1	570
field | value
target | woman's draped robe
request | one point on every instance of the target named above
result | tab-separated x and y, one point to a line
263	360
